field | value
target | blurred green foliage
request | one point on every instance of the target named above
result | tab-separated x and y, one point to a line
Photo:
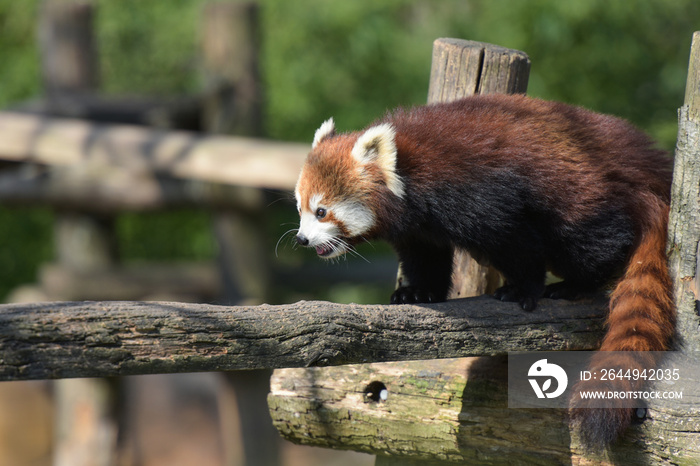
353	60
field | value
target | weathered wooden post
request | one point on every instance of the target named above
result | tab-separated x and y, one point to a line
83	242
684	218
673	433
67	47
233	105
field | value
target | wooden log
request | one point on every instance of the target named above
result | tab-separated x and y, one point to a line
449	410
112	189
454	411
96	339
181	154
462	68
85	243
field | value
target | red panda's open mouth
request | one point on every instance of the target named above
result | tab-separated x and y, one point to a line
330	249
324	250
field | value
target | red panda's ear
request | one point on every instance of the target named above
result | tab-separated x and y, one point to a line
377	146
327	129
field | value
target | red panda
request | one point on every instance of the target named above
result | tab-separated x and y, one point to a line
523	184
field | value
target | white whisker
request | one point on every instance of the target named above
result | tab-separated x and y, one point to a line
293	230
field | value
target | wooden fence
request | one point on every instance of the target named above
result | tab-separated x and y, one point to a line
319	406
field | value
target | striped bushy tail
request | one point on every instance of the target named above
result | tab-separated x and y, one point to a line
642	318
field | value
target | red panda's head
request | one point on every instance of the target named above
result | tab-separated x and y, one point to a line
339	184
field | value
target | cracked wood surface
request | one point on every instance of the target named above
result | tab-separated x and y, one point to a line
454	411
100	339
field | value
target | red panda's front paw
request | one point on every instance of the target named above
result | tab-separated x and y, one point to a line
411	295
510	293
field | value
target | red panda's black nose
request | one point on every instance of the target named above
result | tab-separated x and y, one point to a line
303	240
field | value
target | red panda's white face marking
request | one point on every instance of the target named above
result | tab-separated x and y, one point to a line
331	227
336	188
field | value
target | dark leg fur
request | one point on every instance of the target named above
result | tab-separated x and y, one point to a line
524	275
428	269
511	293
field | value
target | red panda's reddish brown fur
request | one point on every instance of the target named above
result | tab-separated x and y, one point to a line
523	184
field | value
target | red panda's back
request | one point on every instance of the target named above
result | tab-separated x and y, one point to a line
572	158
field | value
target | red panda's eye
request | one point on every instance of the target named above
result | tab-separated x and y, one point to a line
320	212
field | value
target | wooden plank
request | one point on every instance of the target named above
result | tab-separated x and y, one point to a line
181	154
97	339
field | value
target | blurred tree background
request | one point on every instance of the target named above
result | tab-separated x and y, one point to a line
352	60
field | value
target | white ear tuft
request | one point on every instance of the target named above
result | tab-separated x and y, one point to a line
327	129
378	145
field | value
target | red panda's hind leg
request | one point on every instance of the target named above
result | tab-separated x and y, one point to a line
512	293
426	270
524	276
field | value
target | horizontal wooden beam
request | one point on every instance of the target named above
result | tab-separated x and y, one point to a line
166	112
181	154
98	339
456	410
112	189
452	410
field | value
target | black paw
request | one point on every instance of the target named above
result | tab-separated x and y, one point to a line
509	293
411	295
